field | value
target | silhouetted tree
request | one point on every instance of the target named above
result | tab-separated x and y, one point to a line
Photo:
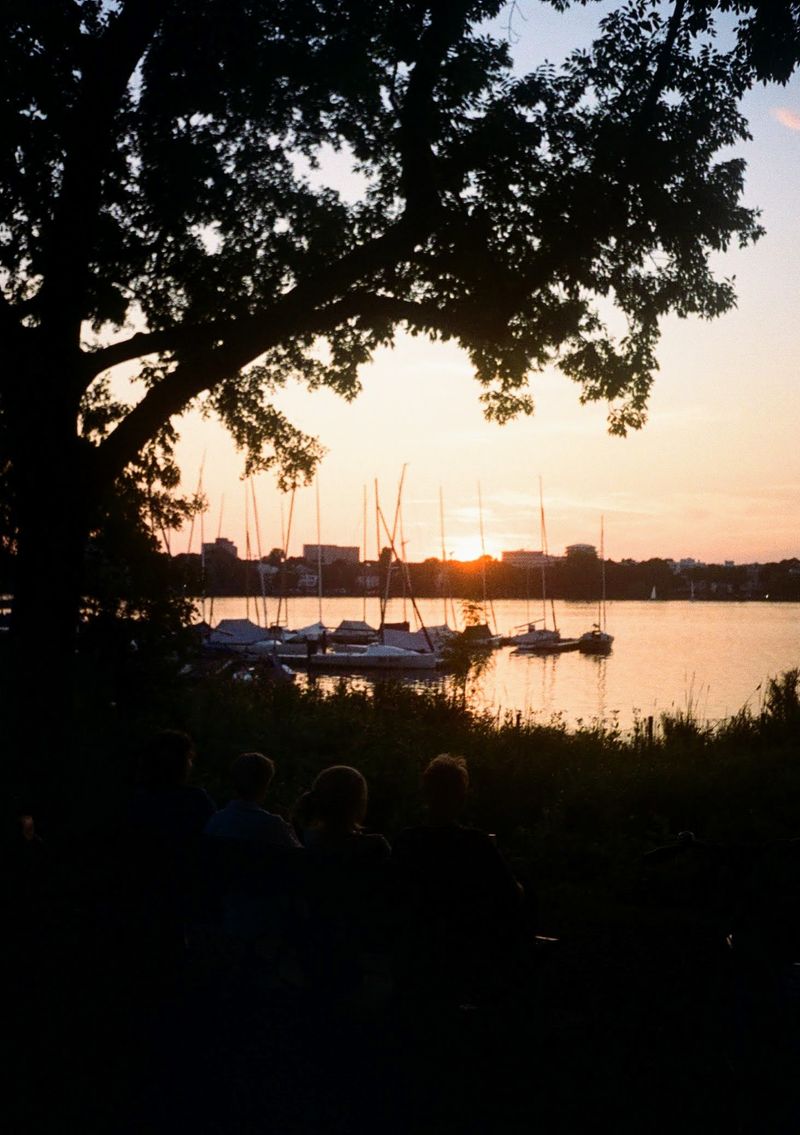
160	218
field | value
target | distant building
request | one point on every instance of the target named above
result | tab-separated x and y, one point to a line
581	550
307	582
369	581
523	558
221	545
329	554
688	563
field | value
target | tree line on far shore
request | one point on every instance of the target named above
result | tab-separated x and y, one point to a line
574	577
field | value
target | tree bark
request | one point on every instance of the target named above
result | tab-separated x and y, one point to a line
52	506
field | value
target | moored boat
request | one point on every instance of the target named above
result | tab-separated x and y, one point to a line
595	641
552	644
598	640
375	656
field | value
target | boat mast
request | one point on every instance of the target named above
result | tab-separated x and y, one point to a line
404	570
391	538
247	557
364	564
543	542
381	606
286	538
258	552
203	562
198	495
219	535
198	491
483	562
602	608
444	556
319	557
545	559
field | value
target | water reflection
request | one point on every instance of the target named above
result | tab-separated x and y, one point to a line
710	658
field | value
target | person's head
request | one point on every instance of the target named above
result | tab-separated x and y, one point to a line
337	801
251	774
445	783
167	760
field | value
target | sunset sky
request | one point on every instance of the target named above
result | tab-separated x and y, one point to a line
715	473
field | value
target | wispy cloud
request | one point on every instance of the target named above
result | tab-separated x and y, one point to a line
786	117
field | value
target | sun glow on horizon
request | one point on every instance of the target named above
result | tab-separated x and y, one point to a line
468	548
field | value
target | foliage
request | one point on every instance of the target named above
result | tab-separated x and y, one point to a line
573	803
160	172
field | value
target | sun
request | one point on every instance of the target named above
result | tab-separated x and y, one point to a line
466	548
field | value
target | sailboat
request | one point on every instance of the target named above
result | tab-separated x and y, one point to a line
598	640
543	639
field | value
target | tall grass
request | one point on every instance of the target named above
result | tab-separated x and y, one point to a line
588	795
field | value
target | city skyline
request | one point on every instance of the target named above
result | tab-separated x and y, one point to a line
506	555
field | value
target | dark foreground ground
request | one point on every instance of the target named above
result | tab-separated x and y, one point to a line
639	1020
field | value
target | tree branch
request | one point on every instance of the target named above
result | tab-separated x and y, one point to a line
193	377
661	74
418	218
315	305
417	116
88	141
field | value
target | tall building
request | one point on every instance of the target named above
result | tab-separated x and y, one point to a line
581	550
221	545
329	554
523	558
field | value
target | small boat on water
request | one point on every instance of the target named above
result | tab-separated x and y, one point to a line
540	640
543	639
553	643
595	641
374	656
598	640
353	631
480	635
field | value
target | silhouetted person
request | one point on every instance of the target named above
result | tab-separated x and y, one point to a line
166	819
245	817
331	815
346	878
464	906
251	858
164	804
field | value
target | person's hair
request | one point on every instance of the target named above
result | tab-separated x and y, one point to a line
251	774
167	759
338	800
445	781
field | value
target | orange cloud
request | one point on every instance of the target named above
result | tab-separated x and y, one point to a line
787	117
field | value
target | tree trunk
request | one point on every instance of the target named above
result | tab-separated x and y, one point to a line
52	512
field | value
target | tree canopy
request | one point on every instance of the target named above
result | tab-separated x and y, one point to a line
159	210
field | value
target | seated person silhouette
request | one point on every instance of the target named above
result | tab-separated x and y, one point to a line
245	816
463	907
166	817
346	877
251	856
165	805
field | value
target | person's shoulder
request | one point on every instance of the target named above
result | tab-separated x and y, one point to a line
410	839
218	821
276	829
198	799
372	845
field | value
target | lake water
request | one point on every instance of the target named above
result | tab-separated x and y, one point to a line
710	657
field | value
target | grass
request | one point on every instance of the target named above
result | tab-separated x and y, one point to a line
606	793
633	1024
